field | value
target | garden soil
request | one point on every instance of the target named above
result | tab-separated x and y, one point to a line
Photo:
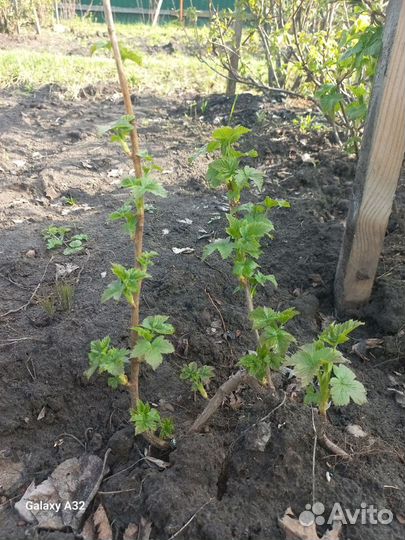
50	154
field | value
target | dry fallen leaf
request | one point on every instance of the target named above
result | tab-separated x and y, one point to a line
131	532
180	251
186	221
102	525
361	347
295	530
41	413
356	431
159	462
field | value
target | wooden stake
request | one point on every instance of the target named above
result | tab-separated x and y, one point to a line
157	13
133	384
181	13
234	54
378	170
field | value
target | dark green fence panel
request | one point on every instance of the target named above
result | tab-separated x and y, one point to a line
168	7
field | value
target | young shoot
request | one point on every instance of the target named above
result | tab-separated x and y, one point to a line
147	339
199	377
321	368
274	341
147	419
55	238
248	226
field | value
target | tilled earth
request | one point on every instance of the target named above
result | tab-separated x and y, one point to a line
50	153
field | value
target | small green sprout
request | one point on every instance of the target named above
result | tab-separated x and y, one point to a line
274	341
147	419
104	358
76	244
126	54
320	367
55	236
151	345
70	201
198	376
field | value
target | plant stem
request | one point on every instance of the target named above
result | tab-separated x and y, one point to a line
250	308
229	386
133	384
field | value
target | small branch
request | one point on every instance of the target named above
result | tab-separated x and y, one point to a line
217	310
229	386
334	448
314	455
32	295
79	516
191	519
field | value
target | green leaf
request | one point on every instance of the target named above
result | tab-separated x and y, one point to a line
123	125
152	351
245	268
146	259
262	279
345	387
222	170
276	203
145	418
329	99
254	365
249	173
143	185
198	376
307	361
113	291
166	428
229	135
278	340
336	334
158	325
126	213
312	396
129	54
223	246
263	317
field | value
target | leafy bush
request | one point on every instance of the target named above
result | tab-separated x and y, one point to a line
18	13
327	53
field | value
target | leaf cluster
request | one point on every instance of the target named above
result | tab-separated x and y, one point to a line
148	419
55	238
247	227
319	366
274	341
128	283
112	360
198	376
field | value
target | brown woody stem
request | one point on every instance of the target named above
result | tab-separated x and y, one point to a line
229	386
133	384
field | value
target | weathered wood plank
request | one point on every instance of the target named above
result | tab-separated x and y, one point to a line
378	170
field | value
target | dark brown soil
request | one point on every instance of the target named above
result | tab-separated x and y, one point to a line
49	151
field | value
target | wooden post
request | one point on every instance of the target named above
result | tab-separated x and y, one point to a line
234	55
157	13
378	170
181	13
